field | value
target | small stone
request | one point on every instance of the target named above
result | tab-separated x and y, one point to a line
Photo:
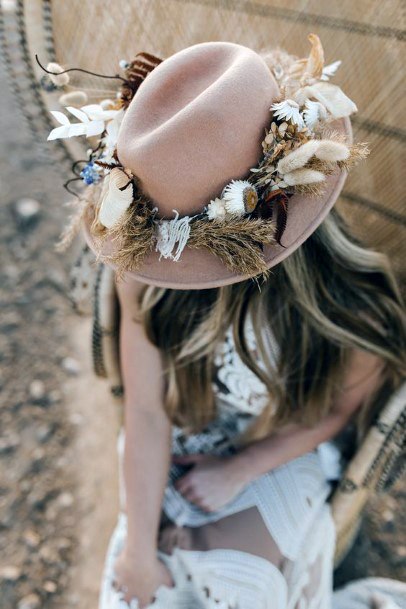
10	573
76	418
31	538
50	587
401	551
27	209
31	601
71	366
54	396
37	390
44	433
388	515
9	443
66	499
11	271
38	454
25	485
63	543
48	554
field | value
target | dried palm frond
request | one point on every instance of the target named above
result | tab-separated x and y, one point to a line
136	72
237	242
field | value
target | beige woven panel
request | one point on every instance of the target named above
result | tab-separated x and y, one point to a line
367	35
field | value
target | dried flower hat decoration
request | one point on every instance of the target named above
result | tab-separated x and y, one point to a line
298	152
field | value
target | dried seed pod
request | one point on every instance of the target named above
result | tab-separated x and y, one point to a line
304	176
77	99
298	158
60	80
331	151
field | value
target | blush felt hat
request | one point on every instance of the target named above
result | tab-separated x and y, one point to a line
214	164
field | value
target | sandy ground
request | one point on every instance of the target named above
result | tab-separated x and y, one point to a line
58	423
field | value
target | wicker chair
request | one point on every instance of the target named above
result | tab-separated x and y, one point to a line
373	469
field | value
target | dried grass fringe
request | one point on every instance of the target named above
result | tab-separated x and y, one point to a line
84	207
237	242
133	238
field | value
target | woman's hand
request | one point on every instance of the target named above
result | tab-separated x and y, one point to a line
138	580
212	482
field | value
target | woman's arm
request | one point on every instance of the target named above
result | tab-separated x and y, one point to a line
292	441
213	481
147	449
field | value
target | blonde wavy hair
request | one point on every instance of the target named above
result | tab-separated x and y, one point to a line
330	296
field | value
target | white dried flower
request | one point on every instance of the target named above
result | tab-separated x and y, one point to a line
289	111
330	70
110	139
313	113
114	201
60	80
240	197
216	209
331	96
92	121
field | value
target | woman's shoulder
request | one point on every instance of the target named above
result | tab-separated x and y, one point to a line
129	291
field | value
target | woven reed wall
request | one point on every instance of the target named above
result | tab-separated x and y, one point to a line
367	35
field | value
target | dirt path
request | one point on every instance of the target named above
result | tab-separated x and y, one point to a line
58	492
93	452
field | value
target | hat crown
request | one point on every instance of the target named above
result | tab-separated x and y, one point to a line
196	123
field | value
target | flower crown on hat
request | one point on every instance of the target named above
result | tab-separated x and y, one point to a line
298	152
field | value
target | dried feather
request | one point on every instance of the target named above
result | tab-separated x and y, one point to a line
281	219
237	242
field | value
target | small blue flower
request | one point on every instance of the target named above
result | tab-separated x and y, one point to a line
90	174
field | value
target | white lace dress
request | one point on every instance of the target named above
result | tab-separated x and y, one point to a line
272	546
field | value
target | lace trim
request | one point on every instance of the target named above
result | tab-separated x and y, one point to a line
235	384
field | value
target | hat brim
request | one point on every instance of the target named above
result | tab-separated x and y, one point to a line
200	269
